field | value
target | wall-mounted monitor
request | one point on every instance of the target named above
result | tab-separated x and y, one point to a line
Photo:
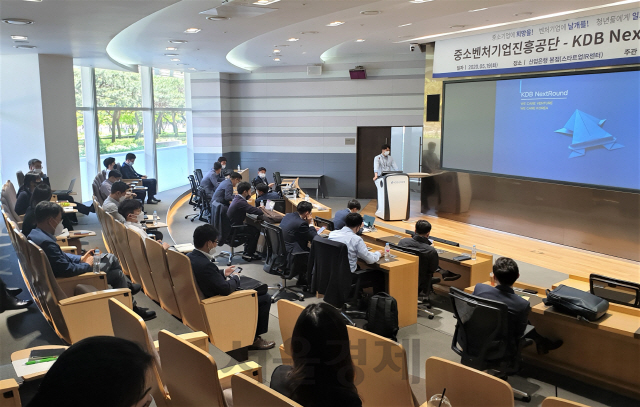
579	128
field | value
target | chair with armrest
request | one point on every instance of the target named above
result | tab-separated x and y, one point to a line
288	313
95	188
195	200
484	338
198	175
20	178
332	276
217	316
250	393
466	386
281	263
139	254
558	402
320	222
190	374
9	393
121	240
232	236
162	280
614	290
382	374
8	198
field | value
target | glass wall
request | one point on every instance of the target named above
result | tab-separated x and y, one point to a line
80	112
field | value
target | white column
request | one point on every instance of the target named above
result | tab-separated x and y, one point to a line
90	118
148	119
189	117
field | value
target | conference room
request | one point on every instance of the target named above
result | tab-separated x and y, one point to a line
286	203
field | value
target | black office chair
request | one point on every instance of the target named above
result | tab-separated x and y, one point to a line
484	338
233	236
194	200
198	174
320	222
281	263
425	306
614	290
277	179
331	275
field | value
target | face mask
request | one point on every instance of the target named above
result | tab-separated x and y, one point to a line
247	197
140	217
59	229
212	251
262	175
385	153
122	198
224	166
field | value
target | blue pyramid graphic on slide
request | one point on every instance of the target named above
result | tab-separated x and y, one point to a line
587	132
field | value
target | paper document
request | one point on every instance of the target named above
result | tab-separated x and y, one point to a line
23	370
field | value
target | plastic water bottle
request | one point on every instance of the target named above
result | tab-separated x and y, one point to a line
473	252
295	194
155	218
387	252
306	198
96	261
262	203
238	167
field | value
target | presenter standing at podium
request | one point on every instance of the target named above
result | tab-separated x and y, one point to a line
383	162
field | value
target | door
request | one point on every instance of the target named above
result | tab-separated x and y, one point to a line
370	141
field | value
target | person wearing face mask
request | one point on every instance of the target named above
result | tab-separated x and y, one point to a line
31	180
41	193
224	192
110	164
212	179
105	187
116	197
128	172
237	212
48	226
261	179
225	171
212	281
383	162
131	211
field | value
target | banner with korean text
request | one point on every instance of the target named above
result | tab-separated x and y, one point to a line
599	40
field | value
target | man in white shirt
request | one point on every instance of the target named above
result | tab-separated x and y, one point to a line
383	162
357	249
105	187
113	201
131	211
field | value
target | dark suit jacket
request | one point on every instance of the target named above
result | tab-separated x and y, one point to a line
210	182
22	201
424	246
62	264
265	197
518	307
296	233
339	218
238	210
257	181
128	172
209	277
224	192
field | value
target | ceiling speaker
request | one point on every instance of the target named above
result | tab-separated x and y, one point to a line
358	73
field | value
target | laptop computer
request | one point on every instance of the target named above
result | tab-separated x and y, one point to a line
368	221
68	191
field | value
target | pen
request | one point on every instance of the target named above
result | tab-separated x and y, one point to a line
33	362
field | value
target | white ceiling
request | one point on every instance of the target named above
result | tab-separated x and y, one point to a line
136	32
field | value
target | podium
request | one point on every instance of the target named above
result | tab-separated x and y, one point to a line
393	196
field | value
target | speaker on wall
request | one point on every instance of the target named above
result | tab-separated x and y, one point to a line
433	108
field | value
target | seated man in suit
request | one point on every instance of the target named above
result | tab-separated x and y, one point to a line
429	261
263	194
116	197
237	212
506	272
211	179
224	192
225	171
129	173
105	187
358	250
131	212
36	166
110	164
297	228
353	206
213	281
261	179
49	225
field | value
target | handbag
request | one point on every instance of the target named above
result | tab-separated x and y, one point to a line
248	283
578	303
270	216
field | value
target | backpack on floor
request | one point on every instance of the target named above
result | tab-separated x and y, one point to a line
382	316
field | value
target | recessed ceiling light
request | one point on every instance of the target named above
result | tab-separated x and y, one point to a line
17	21
19	37
457	26
523	13
192	69
370	12
24	46
276	51
405	25
192	30
419	1
360	40
171	48
217	18
265	2
182	64
170	55
178	41
335	23
293	39
276	59
175	59
309	32
478	9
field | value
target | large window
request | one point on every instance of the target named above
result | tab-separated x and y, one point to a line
80	114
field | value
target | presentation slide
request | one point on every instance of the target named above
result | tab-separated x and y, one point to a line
581	129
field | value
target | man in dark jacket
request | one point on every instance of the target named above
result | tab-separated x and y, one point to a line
263	194
261	179
296	229
238	212
429	259
211	179
212	281
129	173
338	219
224	192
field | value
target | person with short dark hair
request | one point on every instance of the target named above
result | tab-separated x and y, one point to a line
506	272
99	371
105	187
131	211
224	192
109	164
353	206
41	193
128	172
23	196
323	372
383	162
356	246
225	171
212	281
263	194
429	260
212	179
298	229
35	165
48	226
119	192
261	179
237	213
